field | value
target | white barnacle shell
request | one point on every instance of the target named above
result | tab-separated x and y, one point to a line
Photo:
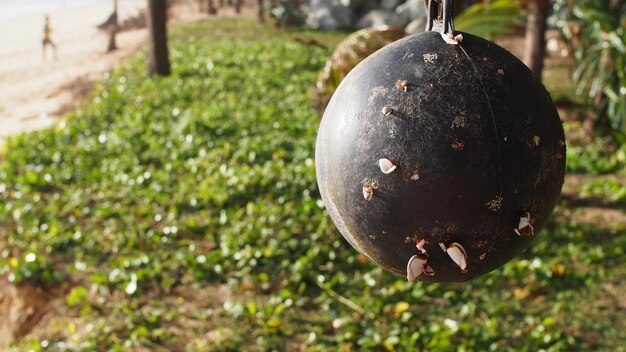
368	191
524	222
457	254
386	166
450	39
536	140
387	110
415	267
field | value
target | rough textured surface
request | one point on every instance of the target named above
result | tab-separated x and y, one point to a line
353	14
390	4
377	18
362	7
462	137
413	8
416	26
330	15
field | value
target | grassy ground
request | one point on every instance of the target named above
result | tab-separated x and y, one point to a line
183	214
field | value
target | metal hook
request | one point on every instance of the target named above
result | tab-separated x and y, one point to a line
440	15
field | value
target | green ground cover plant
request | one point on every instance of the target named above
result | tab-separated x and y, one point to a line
182	213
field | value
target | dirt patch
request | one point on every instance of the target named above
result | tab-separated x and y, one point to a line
22	307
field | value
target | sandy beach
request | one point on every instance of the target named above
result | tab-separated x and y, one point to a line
34	92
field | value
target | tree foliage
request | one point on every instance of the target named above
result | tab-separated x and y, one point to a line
490	19
596	31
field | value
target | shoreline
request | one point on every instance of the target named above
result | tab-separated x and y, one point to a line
37	92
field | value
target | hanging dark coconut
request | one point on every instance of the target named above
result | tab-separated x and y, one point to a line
440	157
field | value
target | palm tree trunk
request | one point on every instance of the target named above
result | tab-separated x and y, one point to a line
113	29
212	10
157	31
535	46
261	10
112	42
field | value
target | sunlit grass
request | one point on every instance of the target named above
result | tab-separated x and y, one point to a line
183	214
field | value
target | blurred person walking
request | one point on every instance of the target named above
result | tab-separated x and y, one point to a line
47	41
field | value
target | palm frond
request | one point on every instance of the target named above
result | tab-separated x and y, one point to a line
601	58
490	19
